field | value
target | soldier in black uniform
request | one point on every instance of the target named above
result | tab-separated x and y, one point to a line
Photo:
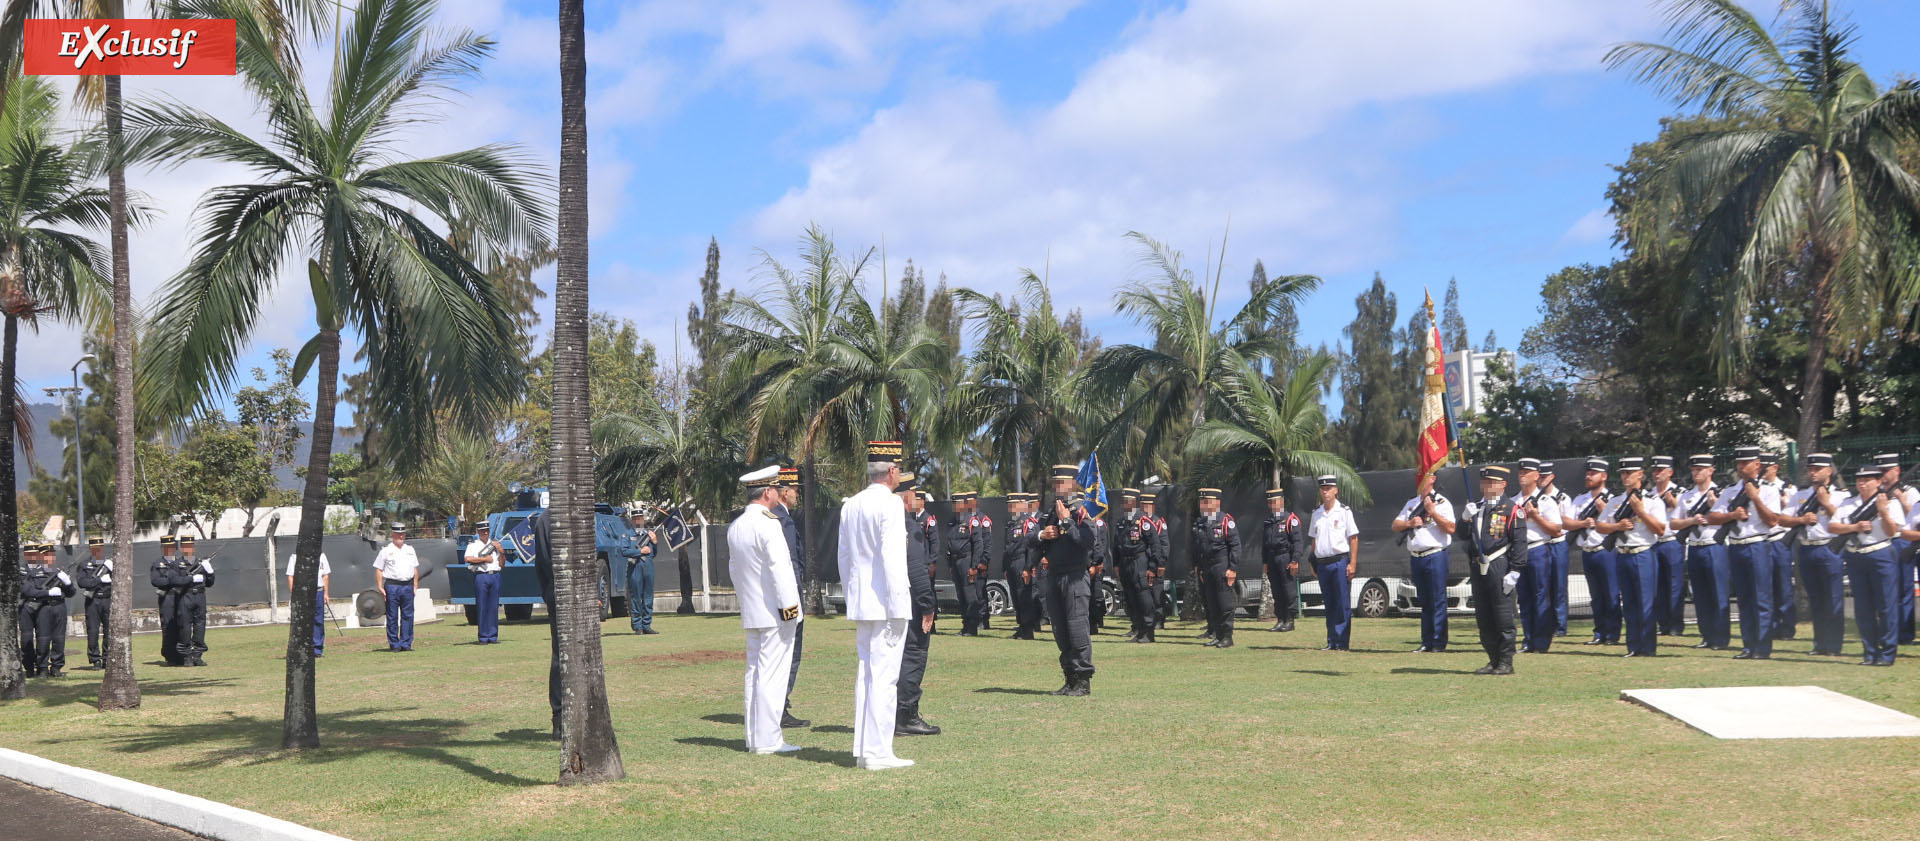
94	577
1132	563
1496	553
1282	542
1157	553
1069	542
1215	549
44	590
957	541
1100	561
1019	565
789	484
193	576
913	658
167	592
982	534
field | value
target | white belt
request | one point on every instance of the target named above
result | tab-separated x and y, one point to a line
1561	539
1744	541
1632	550
1869	548
1430	552
1701	542
1779	535
1805	542
1535	544
1666	539
1496	555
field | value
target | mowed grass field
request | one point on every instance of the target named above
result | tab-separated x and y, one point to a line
1271	739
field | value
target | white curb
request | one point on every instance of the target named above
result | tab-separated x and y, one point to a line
183	811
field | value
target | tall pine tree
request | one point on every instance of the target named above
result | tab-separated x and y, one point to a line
1377	427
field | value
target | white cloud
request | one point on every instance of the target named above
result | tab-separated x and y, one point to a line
1591	229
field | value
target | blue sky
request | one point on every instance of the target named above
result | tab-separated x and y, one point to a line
1420	140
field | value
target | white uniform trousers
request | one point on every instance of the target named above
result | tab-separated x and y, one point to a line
876	687
769	657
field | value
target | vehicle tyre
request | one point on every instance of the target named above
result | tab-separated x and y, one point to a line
1374	600
473	614
518	612
606	600
1110	596
998	602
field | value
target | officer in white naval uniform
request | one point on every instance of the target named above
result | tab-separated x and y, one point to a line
762	571
873	572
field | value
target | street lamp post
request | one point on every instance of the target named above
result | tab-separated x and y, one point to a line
79	437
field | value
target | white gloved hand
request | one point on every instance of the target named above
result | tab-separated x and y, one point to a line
106	578
108	564
53	591
64	579
1507	582
199	579
206	565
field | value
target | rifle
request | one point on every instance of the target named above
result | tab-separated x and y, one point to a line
1700	510
1626	516
1797	533
1867	509
1593	507
1741	501
1402	539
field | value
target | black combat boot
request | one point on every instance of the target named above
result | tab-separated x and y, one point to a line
1080	687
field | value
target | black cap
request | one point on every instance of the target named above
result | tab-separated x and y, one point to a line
186	540
1632	463
1597	463
1662	461
1769	458
1064	471
1209	493
1868	471
397	528
166	540
1700	460
1820	460
1495	471
1529	464
1129	493
1546	467
882	451
1746	454
907	483
1327	481
1887	459
1276	493
483	525
96	541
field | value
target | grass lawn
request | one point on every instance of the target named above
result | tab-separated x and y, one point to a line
1268	740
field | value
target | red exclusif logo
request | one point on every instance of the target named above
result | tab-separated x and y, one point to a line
129	47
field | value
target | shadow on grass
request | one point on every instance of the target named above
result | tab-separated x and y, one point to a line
833	728
725	718
1322	672
250	740
61	694
1410	670
1002	690
805	754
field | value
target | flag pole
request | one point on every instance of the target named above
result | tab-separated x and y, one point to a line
1459	447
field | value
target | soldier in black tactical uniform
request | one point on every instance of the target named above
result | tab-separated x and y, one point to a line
193	576
1496	553
1069	542
913	657
982	533
1215	548
94	577
957	541
1101	560
1282	542
1132	564
1157	552
1021	574
44	590
167	593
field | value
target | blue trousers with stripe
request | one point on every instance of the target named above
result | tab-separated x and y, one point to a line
1822	570
1712	587
1430	581
1639	590
1752	568
1603	586
1876	602
1670	605
1537	614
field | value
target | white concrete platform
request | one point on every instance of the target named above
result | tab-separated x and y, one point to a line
1776	712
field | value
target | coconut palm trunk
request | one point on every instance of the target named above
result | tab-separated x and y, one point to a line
119	689
13	682
588	751
300	723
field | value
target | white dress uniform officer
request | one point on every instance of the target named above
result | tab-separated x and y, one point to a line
873	572
762	569
1426	521
1335	540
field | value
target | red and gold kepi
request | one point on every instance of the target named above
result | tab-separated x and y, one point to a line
878	451
790	477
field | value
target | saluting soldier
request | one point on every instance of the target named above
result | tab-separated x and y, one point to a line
1822	568
788	484
1157	551
1426	522
1215	549
1639	519
762	573
1282	543
1597	560
1130	563
1868	521
1496	553
1786	610
1019	565
1905	498
1559	548
958	543
1669	556
1335	537
1069	542
167	597
193	576
94	578
1542	513
1749	510
1707	570
913	658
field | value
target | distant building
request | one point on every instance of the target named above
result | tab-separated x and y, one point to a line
1467	384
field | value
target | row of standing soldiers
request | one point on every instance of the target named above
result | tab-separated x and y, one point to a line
44	593
180	582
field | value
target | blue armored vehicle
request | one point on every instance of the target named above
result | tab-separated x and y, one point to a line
519	584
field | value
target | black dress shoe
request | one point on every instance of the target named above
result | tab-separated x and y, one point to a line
1225	643
642	630
1595	641
1423	650
788	720
1286	626
1065	689
915	726
1704	645
1328	647
1484	670
1079	688
1503	669
1632	654
1745	654
56	673
1210	644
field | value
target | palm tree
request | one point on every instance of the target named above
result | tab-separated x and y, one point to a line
46	189
1023	387
332	184
468	475
1193	365
588	752
1273	433
661	451
1814	199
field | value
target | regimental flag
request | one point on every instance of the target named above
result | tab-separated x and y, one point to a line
676	530
1437	436
1096	490
520	537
